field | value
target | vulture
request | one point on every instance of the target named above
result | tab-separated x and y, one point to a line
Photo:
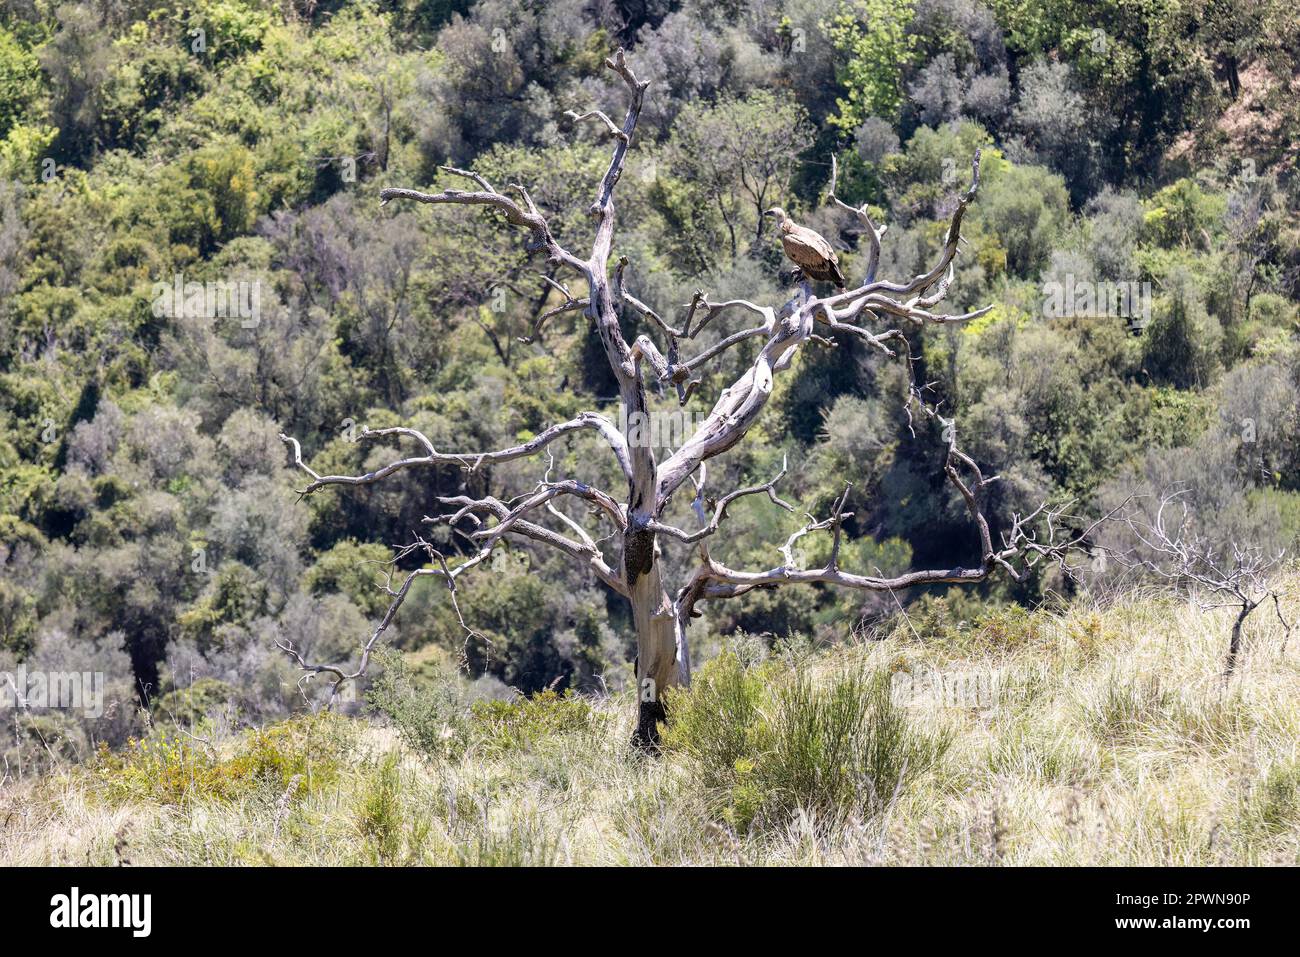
807	250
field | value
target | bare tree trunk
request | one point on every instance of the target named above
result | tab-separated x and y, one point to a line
653	616
660	662
1234	644
652	609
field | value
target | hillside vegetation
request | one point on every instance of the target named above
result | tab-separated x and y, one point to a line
1110	738
152	532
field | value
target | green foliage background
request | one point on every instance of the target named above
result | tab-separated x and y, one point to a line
149	526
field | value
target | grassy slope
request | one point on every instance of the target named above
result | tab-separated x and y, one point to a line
1113	741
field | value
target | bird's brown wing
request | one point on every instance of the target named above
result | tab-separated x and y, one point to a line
813	254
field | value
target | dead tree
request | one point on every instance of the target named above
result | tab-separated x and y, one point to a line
1234	576
661	613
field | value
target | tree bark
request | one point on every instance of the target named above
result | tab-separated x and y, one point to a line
657	656
1234	643
661	661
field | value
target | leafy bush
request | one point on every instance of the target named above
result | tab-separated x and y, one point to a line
875	51
354	570
429	713
174	769
960	623
1182	214
20	82
191	705
842	749
1182	344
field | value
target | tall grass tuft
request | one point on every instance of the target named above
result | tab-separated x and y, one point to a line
770	746
379	815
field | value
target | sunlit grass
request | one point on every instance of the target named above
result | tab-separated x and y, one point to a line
1111	738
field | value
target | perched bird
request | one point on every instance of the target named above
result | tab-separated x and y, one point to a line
807	250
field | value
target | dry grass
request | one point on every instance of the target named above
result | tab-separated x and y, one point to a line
1113	739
